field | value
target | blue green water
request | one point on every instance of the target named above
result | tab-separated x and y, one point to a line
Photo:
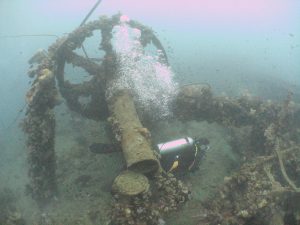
236	52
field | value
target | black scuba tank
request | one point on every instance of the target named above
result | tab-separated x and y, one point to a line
177	155
186	153
175	146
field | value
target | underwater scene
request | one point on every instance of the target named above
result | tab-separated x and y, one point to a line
130	112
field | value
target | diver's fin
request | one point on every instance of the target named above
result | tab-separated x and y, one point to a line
101	148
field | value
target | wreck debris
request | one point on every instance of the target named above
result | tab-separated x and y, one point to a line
129	131
263	184
251	195
259	187
197	102
276	134
277	148
165	194
39	125
49	67
130	183
283	171
63	52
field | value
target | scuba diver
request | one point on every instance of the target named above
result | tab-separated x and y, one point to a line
177	156
182	155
